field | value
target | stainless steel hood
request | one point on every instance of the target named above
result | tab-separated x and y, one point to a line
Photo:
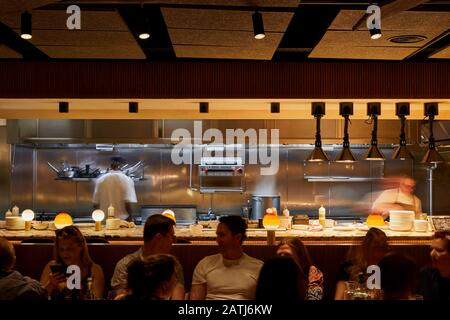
38	131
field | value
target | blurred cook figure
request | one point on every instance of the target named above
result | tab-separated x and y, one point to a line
399	198
116	189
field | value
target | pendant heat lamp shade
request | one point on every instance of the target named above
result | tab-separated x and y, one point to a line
402	152
346	155
258	25
25	26
374	110
432	155
317	155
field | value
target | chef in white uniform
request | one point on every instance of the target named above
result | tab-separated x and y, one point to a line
116	189
401	198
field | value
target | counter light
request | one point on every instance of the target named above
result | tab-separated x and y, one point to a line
402	152
98	216
318	110
346	155
28	216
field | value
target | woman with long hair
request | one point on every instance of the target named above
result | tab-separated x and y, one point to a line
294	247
370	252
71	249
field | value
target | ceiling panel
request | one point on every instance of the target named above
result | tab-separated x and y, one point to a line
443	54
7	53
16	6
342	43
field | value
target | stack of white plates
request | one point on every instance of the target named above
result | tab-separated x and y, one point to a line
401	220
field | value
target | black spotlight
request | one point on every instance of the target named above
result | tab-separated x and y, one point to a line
133	107
274	107
143	25
346	155
432	155
63	107
258	25
375	34
402	152
25	26
204	107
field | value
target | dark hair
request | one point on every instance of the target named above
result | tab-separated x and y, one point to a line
300	250
155	224
146	276
445	235
281	278
398	273
236	224
72	233
7	254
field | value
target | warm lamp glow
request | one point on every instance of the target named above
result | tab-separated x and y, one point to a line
63	219
169	214
375	220
28	215
271	221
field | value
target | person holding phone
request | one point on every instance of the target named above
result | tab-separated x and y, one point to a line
71	249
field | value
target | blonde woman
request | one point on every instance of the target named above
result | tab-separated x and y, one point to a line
71	249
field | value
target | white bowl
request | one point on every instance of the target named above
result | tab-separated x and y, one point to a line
40	225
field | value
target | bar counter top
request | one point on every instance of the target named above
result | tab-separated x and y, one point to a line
329	235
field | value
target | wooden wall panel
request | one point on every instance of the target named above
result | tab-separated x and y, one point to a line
238	80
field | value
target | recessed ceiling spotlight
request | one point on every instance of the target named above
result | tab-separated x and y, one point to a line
407	39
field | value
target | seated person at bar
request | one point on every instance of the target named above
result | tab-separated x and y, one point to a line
115	189
400	198
281	279
159	235
13	285
295	248
398	276
370	252
152	278
230	274
71	249
434	281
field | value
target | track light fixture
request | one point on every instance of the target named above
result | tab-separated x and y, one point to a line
143	25
258	25
346	155
432	155
318	111
25	26
133	107
374	110
63	107
274	107
375	33
204	107
402	152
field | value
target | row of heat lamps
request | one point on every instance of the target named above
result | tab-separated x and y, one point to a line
374	110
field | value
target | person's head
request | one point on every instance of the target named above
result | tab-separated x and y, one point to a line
281	278
440	251
159	232
294	247
117	162
153	277
373	247
398	276
7	255
407	184
71	247
230	232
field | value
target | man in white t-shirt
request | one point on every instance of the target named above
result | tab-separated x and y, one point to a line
115	189
230	274
401	198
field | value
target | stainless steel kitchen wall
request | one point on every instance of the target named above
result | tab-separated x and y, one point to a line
5	167
344	189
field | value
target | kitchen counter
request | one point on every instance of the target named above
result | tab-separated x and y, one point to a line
255	236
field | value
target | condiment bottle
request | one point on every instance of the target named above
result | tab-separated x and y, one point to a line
110	211
322	216
15	211
286	212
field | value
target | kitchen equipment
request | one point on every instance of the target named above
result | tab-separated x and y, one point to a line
67	172
261	202
221	174
184	214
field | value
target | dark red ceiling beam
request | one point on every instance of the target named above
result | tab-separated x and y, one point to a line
310	80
